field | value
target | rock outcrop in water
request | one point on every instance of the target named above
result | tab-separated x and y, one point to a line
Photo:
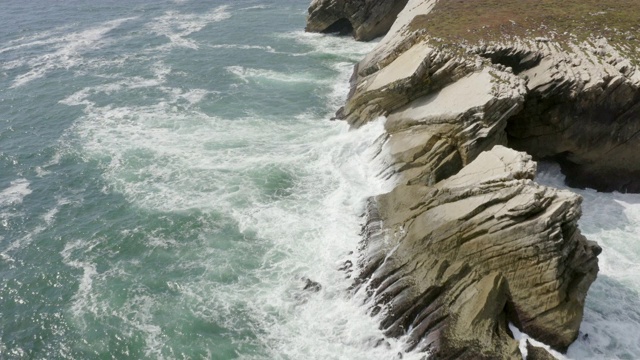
581	93
364	19
467	241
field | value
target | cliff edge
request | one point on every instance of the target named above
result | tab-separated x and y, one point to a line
473	92
575	64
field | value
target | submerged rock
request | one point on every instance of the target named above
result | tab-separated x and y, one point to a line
310	285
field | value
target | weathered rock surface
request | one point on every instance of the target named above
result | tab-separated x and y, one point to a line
583	108
456	261
580	100
364	19
467	242
537	353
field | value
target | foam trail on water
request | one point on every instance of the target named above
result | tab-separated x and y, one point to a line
177	27
18	191
243	47
174	95
10	198
247	74
15	193
40	38
256	7
65	51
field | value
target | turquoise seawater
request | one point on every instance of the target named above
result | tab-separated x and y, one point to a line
169	178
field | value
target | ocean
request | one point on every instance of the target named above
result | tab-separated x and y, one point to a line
170	178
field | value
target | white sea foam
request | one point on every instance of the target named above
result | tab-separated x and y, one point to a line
65	51
341	175
246	74
50	215
175	160
177	26
160	71
10	197
15	193
522	339
40	38
177	156
25	240
19	243
77	254
323	44
256	7
243	47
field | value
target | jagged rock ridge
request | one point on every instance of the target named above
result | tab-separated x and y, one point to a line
581	97
452	254
454	262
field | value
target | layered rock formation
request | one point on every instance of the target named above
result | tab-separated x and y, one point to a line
451	264
581	98
467	241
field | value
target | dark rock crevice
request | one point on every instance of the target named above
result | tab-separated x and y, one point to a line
518	60
593	134
341	26
364	19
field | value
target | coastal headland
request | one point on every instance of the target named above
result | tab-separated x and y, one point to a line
473	92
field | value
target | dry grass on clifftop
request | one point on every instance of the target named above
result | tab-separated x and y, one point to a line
493	20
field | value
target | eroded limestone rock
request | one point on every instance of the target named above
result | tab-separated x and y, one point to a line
451	264
434	136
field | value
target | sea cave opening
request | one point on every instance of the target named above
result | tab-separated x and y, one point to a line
341	27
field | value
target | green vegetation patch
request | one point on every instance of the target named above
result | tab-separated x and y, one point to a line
472	21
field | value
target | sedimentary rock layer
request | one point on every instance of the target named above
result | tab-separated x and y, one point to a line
580	98
467	241
451	264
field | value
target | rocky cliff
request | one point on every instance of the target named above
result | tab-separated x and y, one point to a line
467	241
451	264
364	19
572	64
